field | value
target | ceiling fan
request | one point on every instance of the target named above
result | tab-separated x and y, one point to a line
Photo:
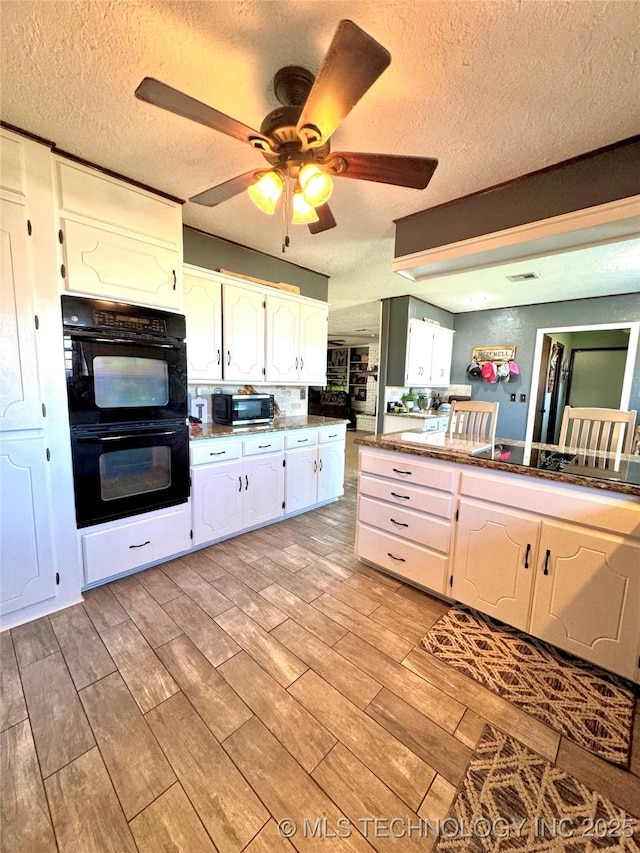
294	139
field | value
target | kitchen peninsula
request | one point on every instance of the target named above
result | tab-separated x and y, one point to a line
555	553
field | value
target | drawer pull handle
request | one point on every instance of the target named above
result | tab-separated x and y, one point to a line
263	446
302	440
401	472
398	523
142	544
401	497
335	435
526	556
218	453
398	559
546	562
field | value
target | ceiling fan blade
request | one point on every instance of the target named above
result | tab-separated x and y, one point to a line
415	172
325	220
167	98
353	63
222	192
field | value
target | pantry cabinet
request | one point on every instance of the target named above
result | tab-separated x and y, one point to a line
203	312
117	241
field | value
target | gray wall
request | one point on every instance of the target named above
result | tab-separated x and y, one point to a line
204	250
519	326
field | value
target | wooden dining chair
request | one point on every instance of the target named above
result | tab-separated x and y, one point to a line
598	437
472	420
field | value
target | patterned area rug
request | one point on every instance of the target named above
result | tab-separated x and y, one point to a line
511	799
582	702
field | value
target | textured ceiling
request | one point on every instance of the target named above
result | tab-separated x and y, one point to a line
493	89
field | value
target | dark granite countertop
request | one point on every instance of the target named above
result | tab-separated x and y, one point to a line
210	430
543	461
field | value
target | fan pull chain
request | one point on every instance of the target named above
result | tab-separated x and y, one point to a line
285	212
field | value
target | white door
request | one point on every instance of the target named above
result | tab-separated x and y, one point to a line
217	496
243	333
27	570
330	470
587	595
263	484
20	403
487	539
441	355
119	266
419	350
203	311
283	350
314	331
301	481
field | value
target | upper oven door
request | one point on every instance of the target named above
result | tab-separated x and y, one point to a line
116	380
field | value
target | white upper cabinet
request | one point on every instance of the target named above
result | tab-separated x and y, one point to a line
203	311
243	327
297	330
117	240
428	358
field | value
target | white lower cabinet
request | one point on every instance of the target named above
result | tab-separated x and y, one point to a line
27	567
119	546
488	538
314	465
587	595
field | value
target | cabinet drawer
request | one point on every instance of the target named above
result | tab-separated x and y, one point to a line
262	444
406	523
407	496
216	450
328	434
123	547
300	438
403	558
436	424
406	468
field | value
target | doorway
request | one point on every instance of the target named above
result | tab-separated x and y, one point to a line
606	379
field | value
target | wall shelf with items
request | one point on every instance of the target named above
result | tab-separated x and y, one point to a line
337	369
362	370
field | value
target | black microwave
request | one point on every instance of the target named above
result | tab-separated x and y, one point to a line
243	409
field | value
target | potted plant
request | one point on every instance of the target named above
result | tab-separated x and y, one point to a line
409	399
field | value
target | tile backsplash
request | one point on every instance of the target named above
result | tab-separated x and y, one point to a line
292	399
393	393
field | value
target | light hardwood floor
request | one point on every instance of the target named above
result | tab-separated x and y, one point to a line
193	706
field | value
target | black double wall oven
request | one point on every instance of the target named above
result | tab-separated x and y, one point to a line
126	369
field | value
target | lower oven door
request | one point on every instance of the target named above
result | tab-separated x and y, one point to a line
121	471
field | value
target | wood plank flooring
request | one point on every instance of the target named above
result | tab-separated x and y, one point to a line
192	706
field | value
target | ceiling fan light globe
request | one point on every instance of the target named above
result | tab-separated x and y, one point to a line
316	185
303	213
266	192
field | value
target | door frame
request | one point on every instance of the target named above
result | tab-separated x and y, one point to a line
634	335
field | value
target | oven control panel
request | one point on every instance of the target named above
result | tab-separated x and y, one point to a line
113	320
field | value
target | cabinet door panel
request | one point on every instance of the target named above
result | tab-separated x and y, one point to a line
493	565
330	471
116	266
217	501
243	333
203	311
588	602
283	347
313	343
441	356
301	478
27	566
19	391
263	484
419	352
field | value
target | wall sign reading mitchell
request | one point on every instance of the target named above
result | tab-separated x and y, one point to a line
497	353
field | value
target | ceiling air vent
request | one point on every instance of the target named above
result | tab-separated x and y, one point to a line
524	276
